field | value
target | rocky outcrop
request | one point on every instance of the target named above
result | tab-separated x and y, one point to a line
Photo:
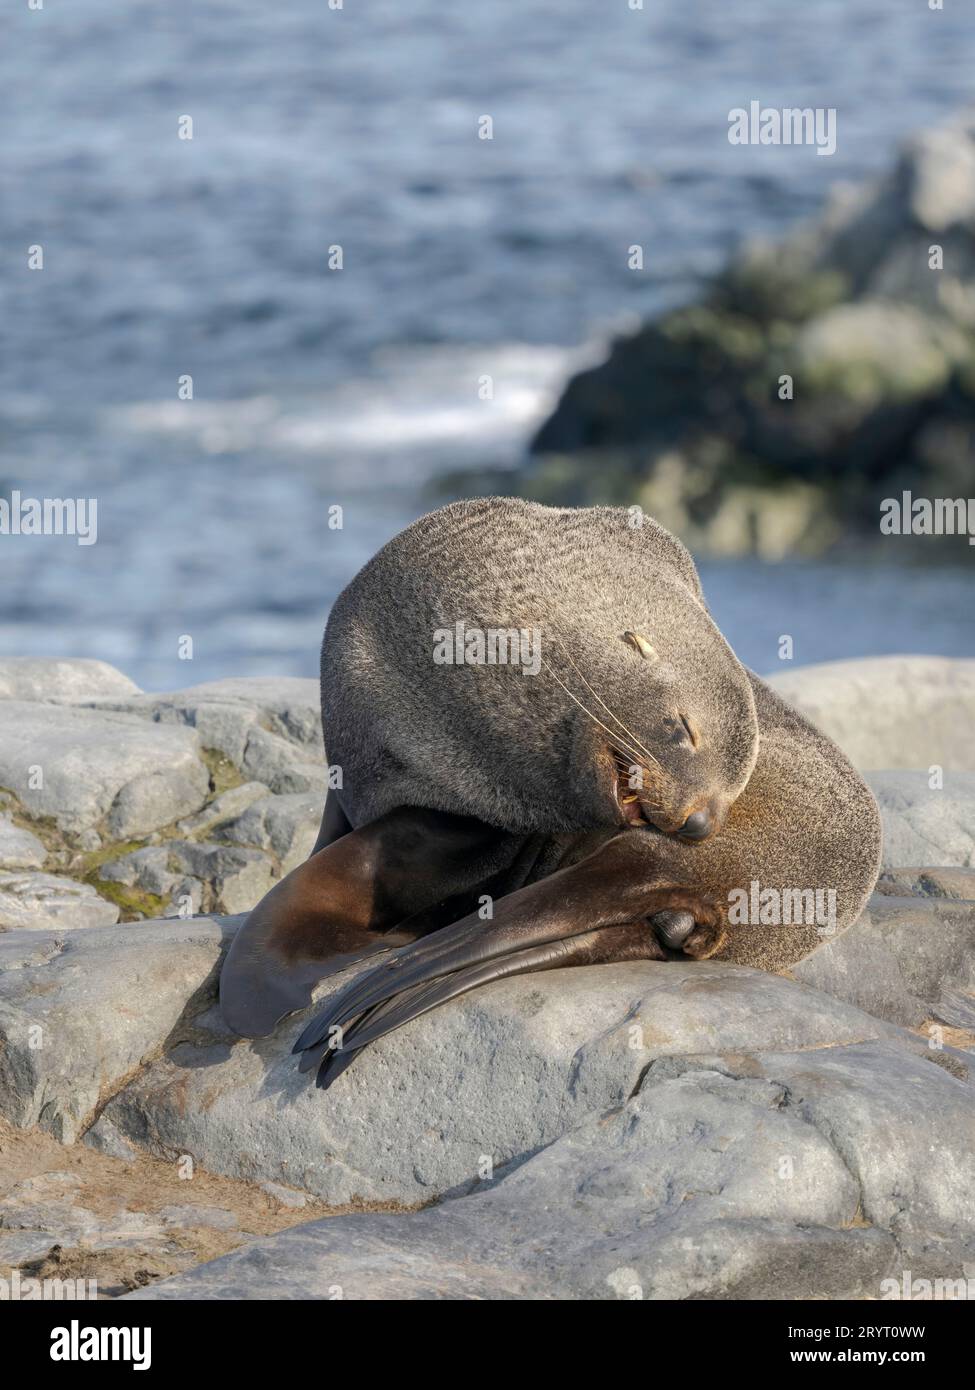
83	768
651	1130
80	1011
759	1176
815	378
684	1130
136	805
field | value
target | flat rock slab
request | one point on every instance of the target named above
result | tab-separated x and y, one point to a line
799	1175
80	1011
80	766
891	711
46	902
924	824
47	678
505	1071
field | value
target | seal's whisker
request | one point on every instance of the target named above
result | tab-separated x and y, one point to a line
629	732
632	737
599	722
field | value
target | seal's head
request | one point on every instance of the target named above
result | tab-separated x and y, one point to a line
669	729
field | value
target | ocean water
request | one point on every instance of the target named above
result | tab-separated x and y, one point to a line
462	258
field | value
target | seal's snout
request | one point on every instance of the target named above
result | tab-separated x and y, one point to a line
698	826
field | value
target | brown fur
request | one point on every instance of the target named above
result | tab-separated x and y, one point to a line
420	834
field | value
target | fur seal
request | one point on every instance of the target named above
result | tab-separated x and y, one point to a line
602	795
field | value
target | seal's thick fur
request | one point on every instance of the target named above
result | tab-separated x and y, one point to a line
465	784
513	749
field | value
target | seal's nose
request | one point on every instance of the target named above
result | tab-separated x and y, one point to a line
697	827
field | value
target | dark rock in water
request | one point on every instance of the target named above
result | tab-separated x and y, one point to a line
817	376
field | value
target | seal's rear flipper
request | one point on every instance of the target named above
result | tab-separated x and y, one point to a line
350	900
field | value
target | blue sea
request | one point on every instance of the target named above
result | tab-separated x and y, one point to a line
357	127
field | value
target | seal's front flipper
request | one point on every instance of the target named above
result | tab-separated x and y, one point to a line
346	902
531	930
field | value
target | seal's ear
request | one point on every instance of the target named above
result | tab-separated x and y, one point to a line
640	643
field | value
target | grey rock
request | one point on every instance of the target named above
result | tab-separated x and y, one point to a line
271	759
96	764
104	1138
928	882
150	801
186	898
506	1071
905	960
807	1174
285	1196
48	1203
79	1012
22	1247
925	825
651	1130
677	1194
237	878
225	713
921	710
288	705
51	678
187	1216
20	950
42	902
220	726
46	1210
286	826
19	849
147	869
905	1127
221	809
